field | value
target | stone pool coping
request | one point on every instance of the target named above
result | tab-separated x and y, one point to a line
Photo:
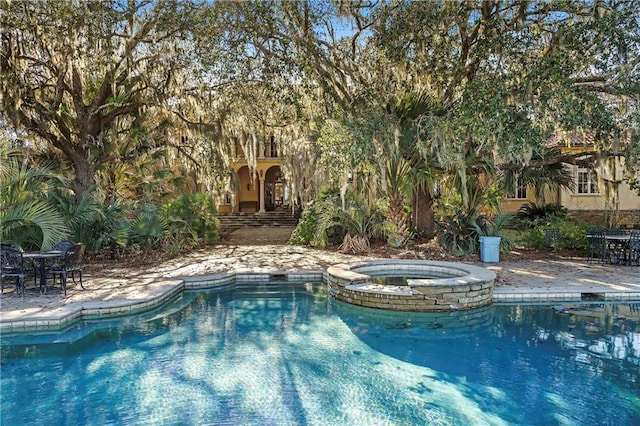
446	286
467	274
166	290
539	288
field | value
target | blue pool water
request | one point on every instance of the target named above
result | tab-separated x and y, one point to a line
289	355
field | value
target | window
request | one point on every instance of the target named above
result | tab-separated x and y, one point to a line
272	147
519	191
227	198
587	182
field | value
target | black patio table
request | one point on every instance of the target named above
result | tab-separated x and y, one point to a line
40	257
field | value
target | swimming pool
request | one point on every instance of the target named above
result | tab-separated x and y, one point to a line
282	354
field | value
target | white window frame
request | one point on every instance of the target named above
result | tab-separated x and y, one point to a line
586	182
519	191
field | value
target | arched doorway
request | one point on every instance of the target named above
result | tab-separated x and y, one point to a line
276	192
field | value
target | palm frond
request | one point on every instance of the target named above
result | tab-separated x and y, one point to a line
39	214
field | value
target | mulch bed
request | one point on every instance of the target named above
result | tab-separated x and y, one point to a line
431	250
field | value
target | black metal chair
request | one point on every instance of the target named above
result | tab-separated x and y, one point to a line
63	267
62	246
634	249
598	247
618	249
77	264
71	263
11	267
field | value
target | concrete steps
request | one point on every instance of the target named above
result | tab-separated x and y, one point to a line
231	222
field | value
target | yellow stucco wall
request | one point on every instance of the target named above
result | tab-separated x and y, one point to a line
511	205
249	191
627	198
611	168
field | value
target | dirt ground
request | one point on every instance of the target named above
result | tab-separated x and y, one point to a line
259	235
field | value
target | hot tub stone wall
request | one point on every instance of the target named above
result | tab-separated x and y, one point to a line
468	286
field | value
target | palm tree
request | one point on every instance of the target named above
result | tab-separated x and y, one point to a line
26	218
398	173
473	179
418	172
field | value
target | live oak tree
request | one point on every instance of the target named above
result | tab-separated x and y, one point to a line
76	75
508	75
326	44
498	78
502	77
429	86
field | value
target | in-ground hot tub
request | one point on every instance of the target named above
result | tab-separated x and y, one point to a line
441	286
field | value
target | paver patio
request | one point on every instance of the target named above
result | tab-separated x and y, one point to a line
117	286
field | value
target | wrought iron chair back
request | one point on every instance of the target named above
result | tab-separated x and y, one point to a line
77	264
11	267
63	245
598	247
63	268
71	263
51	264
634	249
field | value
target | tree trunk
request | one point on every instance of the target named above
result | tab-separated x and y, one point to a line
423	216
85	180
398	217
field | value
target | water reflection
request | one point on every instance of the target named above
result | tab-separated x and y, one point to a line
606	330
290	355
519	337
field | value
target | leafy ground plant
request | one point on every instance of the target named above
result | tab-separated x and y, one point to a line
355	222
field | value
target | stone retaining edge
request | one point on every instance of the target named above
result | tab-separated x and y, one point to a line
59	318
463	286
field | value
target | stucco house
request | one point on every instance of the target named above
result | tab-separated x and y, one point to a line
265	189
600	194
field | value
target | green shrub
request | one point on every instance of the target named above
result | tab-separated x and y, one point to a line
108	228
327	222
460	233
149	228
531	212
191	218
81	215
534	238
355	219
27	219
574	235
304	231
457	233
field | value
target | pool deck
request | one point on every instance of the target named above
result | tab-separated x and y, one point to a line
114	290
